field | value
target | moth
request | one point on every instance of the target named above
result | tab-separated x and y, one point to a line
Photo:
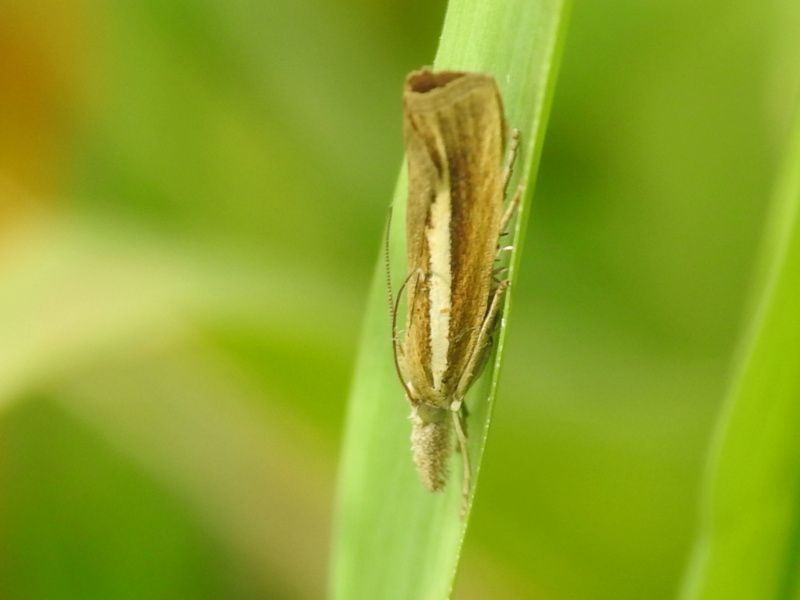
455	141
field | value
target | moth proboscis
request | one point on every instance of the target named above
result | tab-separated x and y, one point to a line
454	132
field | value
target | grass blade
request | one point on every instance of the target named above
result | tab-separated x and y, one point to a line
748	547
393	538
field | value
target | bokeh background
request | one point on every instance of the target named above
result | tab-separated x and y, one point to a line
192	196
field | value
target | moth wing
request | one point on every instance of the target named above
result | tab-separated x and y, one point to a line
476	166
455	138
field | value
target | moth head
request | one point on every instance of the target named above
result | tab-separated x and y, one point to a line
426	80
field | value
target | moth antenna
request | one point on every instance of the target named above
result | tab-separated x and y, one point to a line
392	306
395	348
388	267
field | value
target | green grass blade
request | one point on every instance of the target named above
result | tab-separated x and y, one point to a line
393	538
748	548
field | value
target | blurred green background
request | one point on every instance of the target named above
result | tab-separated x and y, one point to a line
192	196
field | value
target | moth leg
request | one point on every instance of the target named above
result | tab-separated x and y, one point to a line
485	352
480	343
512	208
513	146
457	409
460	407
497	272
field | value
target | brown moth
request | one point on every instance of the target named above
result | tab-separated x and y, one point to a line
455	141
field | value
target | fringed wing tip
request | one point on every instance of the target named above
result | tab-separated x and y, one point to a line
431	446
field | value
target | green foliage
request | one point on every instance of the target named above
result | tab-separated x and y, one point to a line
747	548
192	197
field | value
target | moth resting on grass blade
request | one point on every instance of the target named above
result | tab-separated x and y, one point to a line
455	140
